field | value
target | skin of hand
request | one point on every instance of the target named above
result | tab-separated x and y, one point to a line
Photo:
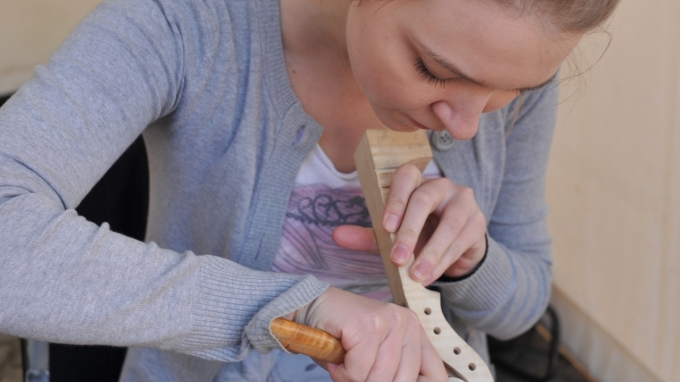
384	342
437	220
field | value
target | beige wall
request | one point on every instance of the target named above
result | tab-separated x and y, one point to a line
614	188
31	30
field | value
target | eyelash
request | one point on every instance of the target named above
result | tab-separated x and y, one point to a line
436	81
429	77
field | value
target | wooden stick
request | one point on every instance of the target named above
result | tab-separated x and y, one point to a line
305	340
379	154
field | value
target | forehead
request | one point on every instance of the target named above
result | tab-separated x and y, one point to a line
485	40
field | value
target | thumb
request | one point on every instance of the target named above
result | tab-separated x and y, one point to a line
356	238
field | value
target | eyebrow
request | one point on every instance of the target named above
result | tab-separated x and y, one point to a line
456	72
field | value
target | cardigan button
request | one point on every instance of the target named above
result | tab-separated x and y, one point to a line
442	140
298	134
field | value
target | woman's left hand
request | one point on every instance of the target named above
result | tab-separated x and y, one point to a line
437	220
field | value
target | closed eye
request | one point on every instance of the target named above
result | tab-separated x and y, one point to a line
431	78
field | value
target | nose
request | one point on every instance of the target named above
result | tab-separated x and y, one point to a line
460	113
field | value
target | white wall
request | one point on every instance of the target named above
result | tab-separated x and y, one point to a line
31	30
614	189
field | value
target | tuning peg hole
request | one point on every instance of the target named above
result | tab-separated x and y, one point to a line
456	350
428	311
472	366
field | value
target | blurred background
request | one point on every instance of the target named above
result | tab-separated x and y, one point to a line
613	183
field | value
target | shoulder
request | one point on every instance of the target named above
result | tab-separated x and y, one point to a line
191	20
537	107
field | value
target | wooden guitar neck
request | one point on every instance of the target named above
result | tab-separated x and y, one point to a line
379	154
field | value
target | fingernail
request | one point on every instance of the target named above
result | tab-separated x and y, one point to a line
399	254
422	270
391	223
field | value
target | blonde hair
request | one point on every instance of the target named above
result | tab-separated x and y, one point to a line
579	16
566	15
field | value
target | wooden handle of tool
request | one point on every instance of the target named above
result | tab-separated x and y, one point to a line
312	342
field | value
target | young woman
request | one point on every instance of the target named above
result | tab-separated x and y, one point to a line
251	111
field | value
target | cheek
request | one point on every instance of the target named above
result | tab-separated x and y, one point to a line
381	66
369	79
389	84
498	100
372	71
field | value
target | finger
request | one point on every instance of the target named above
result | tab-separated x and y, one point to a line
399	359
461	226
422	203
388	359
356	238
411	357
443	241
323	364
404	181
359	360
466	260
431	365
467	249
331	368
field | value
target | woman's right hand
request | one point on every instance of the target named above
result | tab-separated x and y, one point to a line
384	342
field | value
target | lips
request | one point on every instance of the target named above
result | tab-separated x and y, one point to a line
418	125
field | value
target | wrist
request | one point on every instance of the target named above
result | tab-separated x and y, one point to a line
301	315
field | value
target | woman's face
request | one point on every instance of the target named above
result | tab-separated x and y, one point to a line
439	64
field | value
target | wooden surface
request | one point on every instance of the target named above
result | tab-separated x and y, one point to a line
379	154
305	340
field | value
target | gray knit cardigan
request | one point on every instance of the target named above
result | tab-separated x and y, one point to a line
205	82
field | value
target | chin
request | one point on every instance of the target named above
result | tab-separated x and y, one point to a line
404	128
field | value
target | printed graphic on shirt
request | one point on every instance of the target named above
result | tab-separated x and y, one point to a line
307	246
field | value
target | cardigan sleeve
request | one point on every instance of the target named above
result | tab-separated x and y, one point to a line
510	290
67	280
